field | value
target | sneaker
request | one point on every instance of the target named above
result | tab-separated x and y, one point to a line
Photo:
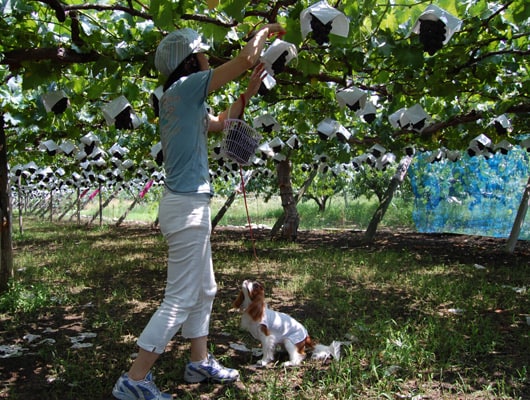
210	370
127	389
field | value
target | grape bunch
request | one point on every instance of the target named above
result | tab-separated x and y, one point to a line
320	31
322	135
501	130
51	152
341	138
123	119
369	117
503	150
432	35
355	106
267	128
418	126
159	160
471	152
89	148
279	65
263	89
217	150
154	102
277	149
60	106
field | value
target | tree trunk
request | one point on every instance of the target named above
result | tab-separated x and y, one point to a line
301	192
6	248
78	212
396	180
291	219
519	220
322	203
51	204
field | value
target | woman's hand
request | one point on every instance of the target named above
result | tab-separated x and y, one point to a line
246	59
254	83
275	28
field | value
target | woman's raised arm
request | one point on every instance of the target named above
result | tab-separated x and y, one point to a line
246	59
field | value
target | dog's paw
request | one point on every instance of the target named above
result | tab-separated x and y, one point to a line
291	363
259	365
263	363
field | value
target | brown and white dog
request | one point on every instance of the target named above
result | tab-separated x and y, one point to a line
270	327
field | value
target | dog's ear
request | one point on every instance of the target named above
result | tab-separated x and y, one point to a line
239	300
256	309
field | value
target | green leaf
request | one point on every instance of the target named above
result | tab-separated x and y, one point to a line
521	12
409	57
162	13
390	22
104	64
307	66
450	6
37	74
234	8
94	92
444	89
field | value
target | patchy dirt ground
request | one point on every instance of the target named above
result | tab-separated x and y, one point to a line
438	246
27	372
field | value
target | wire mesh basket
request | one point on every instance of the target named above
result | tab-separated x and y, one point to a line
240	141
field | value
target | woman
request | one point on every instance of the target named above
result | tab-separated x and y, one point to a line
184	211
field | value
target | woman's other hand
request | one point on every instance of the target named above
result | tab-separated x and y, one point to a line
254	83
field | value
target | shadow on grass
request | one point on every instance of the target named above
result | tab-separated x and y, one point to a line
401	288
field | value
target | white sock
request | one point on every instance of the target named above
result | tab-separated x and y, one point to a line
197	363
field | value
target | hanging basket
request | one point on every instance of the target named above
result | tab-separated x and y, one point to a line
240	141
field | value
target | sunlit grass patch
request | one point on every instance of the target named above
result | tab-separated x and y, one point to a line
411	325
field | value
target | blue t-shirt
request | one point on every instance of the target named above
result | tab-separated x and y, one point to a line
183	133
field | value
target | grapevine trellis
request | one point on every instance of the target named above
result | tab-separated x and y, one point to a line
44	191
435	27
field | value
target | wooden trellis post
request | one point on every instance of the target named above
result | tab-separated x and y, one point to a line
222	211
105	204
136	199
69	206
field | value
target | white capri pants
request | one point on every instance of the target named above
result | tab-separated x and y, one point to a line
191	287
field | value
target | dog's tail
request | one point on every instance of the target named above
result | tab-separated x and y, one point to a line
323	352
309	344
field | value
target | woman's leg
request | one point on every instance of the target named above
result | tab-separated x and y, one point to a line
199	349
182	222
142	364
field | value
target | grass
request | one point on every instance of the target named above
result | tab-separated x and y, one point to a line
417	327
341	214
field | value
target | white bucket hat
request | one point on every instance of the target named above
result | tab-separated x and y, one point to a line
175	47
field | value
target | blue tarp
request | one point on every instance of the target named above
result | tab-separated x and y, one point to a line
473	195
